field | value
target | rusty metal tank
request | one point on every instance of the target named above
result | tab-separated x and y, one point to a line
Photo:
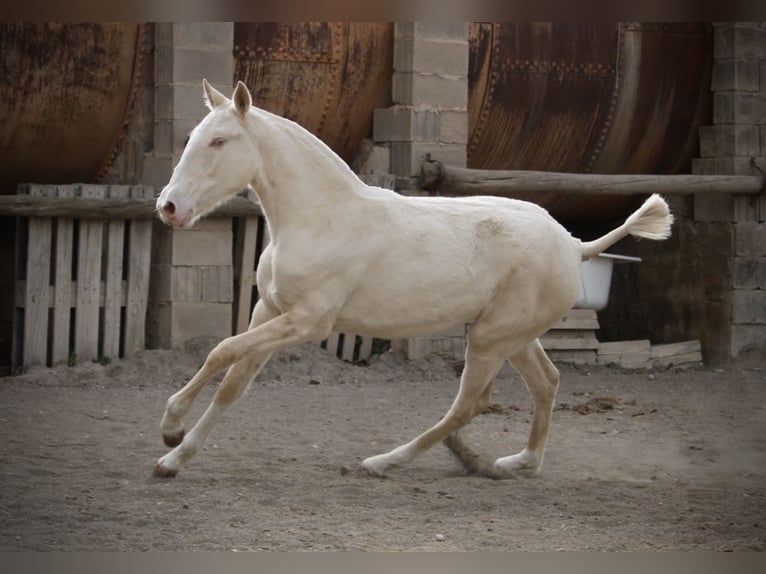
588	97
565	96
65	98
327	76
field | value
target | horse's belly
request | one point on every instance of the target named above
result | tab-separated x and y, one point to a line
391	310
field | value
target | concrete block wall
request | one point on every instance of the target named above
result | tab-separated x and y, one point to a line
191	290
430	100
731	145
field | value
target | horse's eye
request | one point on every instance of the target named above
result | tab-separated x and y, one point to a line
217	142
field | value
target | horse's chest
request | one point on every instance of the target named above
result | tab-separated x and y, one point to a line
294	276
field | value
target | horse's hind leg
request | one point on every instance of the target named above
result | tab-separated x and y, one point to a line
479	372
179	404
542	379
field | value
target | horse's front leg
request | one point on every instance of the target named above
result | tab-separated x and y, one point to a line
178	404
245	354
231	388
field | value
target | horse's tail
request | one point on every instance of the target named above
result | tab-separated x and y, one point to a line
652	221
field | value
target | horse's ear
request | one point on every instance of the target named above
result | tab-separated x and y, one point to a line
213	98
242	99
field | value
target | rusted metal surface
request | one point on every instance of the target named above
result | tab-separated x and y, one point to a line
587	97
327	76
65	98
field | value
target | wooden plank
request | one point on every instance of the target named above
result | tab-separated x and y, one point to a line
246	265
451	180
679	359
20	286
628	359
89	245
331	343
349	343
62	285
618	347
115	246
670	349
89	208
585	319
365	351
38	266
139	265
573	356
570	334
569	343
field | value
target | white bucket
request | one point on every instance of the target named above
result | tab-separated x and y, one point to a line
596	278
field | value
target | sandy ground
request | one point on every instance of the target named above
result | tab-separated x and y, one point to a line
661	460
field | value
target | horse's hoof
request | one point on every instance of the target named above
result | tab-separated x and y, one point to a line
163	472
173	440
375	466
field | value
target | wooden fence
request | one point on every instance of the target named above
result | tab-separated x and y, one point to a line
81	284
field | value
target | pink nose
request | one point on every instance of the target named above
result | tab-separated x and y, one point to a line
169	208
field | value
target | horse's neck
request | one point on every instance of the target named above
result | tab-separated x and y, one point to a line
300	174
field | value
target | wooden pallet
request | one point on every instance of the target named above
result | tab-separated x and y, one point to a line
573	339
83	284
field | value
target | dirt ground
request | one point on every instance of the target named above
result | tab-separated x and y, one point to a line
660	460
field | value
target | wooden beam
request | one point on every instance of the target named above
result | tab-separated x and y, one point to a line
450	180
107	208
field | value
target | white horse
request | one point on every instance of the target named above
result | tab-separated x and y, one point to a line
347	256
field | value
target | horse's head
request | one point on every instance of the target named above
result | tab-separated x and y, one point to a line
218	162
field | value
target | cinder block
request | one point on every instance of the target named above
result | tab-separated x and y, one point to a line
750	239
729	140
750	272
749	208
202	247
190	65
406	158
743	75
156	170
747	337
748	306
163	64
217	284
208	243
739	107
384	180
416	89
742	40
218	35
727	165
212	284
723	107
405	124
713	207
187	102
750	108
431	56
371	158
432	30
192	320
163	34
453	126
